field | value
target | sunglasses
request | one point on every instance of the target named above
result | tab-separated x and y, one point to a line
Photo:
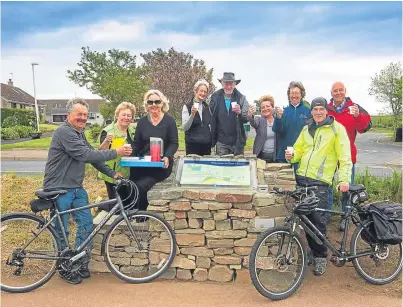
150	102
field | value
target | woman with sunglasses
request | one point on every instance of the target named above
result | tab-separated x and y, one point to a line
157	123
196	119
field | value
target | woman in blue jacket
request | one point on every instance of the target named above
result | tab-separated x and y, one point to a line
288	122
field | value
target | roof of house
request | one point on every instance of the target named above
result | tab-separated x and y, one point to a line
59	105
16	95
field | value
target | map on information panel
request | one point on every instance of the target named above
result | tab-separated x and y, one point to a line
216	172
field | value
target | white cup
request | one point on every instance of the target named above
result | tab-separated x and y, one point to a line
350	108
290	149
196	105
253	104
233	104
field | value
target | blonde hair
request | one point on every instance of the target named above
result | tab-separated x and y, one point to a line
164	100
267	98
200	83
124	106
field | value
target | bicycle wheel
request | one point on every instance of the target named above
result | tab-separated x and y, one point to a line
144	259
19	272
383	265
270	273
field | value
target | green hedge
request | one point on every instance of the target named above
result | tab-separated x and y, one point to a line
9	134
25	117
23	131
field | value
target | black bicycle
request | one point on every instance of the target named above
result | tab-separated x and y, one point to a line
278	260
137	247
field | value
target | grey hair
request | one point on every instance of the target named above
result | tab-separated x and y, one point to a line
70	104
294	84
200	83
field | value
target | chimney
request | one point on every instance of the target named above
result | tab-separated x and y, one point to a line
10	82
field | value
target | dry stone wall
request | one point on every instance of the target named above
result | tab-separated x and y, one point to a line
215	228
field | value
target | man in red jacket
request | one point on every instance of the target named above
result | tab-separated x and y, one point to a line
355	119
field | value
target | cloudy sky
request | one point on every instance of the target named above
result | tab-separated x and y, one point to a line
266	44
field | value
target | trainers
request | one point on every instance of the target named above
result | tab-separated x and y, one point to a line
342	225
71	278
320	266
84	272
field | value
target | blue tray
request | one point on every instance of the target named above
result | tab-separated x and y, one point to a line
141	163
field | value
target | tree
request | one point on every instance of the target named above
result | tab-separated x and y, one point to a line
174	74
113	75
387	88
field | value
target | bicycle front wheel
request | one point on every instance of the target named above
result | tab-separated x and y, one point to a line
382	265
23	267
274	273
144	257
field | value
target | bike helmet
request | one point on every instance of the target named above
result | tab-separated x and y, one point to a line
308	204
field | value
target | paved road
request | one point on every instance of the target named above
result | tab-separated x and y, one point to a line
374	151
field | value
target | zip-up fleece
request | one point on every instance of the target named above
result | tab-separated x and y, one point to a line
361	123
319	149
69	151
289	126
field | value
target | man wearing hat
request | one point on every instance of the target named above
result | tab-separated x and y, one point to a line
229	109
322	145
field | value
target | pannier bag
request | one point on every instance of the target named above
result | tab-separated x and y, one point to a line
387	222
40	204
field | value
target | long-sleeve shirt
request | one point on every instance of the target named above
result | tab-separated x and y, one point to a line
68	153
166	130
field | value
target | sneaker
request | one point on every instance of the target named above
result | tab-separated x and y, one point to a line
320	266
71	278
84	273
342	225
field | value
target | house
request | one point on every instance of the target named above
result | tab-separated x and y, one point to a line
14	97
56	110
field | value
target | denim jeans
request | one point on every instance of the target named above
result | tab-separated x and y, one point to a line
74	198
344	197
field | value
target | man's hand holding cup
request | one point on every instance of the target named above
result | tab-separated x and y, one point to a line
125	150
354	110
289	153
235	107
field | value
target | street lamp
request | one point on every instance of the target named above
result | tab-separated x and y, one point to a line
36	102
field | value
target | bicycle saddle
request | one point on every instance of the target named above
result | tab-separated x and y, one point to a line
356	187
46	194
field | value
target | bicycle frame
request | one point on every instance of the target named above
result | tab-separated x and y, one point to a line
56	215
321	239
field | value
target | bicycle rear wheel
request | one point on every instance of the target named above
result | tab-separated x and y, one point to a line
144	259
271	274
19	272
383	265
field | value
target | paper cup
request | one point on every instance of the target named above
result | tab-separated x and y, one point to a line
233	104
350	108
196	105
290	149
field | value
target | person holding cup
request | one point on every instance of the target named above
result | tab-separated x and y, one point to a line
288	122
355	119
117	134
264	146
196	120
321	147
156	124
229	112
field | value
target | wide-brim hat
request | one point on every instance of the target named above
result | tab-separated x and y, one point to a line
229	77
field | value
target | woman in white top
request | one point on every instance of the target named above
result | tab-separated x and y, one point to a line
196	119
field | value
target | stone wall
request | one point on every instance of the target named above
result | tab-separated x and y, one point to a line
215	228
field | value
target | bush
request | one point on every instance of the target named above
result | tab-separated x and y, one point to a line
25	117
9	134
23	131
95	131
10	121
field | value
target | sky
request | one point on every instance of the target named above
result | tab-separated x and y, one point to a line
266	44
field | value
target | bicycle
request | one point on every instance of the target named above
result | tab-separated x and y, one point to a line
278	260
138	247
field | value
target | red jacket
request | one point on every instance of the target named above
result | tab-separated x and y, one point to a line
362	123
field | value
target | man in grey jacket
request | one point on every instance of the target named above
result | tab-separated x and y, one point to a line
65	169
229	109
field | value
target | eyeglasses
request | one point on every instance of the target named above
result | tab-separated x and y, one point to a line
150	102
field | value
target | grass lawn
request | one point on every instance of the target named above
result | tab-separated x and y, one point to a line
47	127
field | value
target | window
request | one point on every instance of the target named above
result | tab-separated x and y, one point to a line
91	115
13	105
59	118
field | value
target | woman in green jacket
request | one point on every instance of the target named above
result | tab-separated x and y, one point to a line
113	136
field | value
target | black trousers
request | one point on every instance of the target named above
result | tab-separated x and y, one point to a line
145	178
198	149
268	157
319	220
